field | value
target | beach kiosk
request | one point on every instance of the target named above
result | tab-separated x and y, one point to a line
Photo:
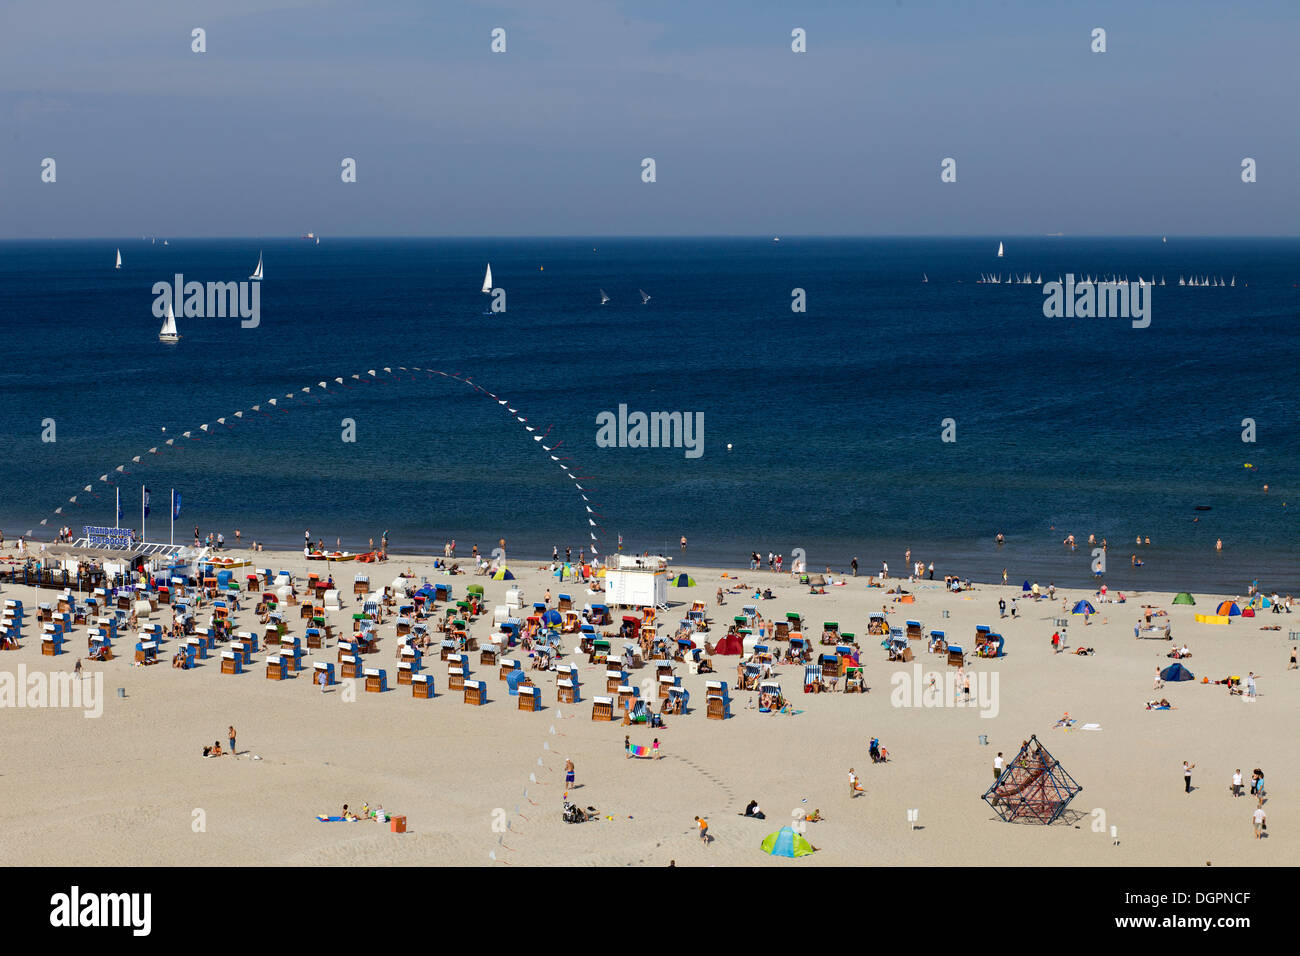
637	582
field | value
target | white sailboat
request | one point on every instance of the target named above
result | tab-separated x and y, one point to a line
487	279
644	298
118	265
603	298
924	277
257	273
1233	283
1040	279
168	331
999	250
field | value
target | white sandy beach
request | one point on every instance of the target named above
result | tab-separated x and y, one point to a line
123	789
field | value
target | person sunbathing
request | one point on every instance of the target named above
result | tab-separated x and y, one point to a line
1084	651
216	749
814	817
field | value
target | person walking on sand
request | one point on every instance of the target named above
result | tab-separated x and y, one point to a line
997	766
1236	782
1187	776
1258	818
230	733
1259	786
1250	685
704	830
1292	665
657	754
854	787
1004	576
627	745
931	570
854	565
568	773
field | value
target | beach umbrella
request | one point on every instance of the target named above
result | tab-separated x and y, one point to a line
1184	598
1228	609
502	574
1083	607
683	581
552	616
785	842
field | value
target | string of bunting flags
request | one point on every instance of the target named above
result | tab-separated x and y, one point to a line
370	376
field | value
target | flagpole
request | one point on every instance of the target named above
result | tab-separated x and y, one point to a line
143	537
117	511
171	537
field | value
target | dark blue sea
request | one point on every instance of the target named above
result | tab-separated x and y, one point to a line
833	415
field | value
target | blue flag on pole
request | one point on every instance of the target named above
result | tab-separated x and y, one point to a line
176	506
146	501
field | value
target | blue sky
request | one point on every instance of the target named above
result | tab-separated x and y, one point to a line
547	138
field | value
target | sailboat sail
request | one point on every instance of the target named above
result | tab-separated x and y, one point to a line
644	298
118	265
999	250
257	273
487	279
168	331
603	298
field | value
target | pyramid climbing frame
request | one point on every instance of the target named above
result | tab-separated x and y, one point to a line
1034	787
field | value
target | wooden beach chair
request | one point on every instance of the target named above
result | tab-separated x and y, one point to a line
475	692
376	680
422	686
276	669
529	698
232	662
602	708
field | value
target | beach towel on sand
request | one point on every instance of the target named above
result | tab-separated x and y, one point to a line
324	819
636	750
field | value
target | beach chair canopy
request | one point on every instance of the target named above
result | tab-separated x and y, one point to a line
1228	609
1176	671
1184	598
1083	607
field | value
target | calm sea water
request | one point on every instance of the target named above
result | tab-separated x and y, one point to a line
833	416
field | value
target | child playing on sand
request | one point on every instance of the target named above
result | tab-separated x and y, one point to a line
704	830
